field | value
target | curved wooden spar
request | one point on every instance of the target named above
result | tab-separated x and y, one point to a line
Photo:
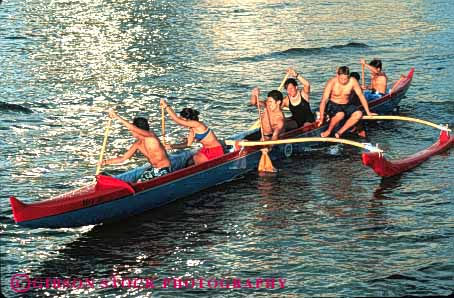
409	119
368	147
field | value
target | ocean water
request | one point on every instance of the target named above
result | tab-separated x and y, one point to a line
323	226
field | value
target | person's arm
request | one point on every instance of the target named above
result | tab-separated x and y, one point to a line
372	69
120	159
361	97
254	97
187	144
131	127
175	118
285	102
396	84
278	129
324	100
305	91
306	87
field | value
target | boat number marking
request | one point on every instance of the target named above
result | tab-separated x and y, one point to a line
88	202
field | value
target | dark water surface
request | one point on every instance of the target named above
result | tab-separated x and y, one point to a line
325	224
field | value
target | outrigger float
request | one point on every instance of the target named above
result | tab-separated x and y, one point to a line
388	168
114	198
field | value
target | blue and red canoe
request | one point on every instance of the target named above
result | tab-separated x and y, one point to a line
114	198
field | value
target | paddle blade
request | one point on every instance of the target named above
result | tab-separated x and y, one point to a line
265	163
255	125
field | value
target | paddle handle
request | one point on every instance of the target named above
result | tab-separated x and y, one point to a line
260	117
103	148
283	82
163	125
363	80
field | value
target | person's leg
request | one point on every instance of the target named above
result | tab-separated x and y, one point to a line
334	121
354	118
148	174
290	124
199	158
190	162
360	130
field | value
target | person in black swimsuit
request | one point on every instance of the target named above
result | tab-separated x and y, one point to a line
354	100
297	101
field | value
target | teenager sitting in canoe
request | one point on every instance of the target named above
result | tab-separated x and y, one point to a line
148	144
272	118
335	101
354	99
297	100
378	80
198	131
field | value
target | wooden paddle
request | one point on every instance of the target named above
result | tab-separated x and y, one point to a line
409	119
265	164
257	123
363	82
163	126
103	148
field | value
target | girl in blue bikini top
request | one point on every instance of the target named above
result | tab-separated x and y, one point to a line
198	131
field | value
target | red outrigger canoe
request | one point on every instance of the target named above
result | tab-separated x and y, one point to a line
388	168
113	198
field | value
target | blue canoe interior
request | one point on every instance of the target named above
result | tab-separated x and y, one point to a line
114	198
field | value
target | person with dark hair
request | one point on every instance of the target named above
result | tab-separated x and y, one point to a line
297	100
335	101
379	79
354	100
272	117
148	144
211	147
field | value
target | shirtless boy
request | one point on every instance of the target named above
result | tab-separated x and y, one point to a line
148	144
335	100
272	116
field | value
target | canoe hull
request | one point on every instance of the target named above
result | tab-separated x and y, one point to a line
155	197
96	204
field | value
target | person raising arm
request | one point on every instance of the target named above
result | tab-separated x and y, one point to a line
198	131
147	143
297	100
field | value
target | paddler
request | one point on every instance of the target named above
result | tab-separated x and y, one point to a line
297	100
336	102
198	131
272	118
148	144
378	79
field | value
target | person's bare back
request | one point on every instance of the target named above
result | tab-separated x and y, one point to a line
153	150
148	144
379	82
